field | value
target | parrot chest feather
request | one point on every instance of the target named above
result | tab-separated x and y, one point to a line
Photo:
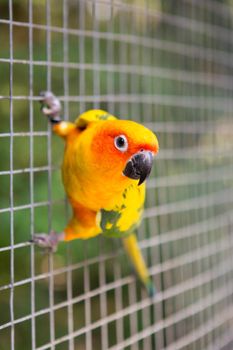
125	216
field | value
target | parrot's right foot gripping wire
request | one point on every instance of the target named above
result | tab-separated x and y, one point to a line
50	106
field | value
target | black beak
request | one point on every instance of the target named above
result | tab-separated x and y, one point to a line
139	166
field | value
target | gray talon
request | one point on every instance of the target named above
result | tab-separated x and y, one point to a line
50	106
49	241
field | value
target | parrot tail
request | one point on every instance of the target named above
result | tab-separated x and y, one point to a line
131	246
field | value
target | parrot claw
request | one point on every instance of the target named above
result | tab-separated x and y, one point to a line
49	242
50	106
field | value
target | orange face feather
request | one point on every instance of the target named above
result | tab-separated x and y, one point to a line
108	157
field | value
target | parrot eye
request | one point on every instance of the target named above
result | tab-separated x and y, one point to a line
121	143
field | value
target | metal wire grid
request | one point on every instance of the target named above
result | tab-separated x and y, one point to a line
169	67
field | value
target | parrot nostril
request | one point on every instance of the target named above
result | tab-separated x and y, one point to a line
141	150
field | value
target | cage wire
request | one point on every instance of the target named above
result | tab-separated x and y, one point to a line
168	65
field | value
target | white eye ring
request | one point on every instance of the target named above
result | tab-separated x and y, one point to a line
121	143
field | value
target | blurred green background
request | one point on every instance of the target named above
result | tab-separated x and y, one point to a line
148	61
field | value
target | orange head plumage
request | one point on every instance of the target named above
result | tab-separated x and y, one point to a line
122	148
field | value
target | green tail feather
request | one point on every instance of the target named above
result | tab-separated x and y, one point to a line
150	287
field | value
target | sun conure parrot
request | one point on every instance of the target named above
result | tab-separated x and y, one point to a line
105	165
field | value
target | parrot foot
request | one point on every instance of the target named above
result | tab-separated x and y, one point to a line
49	242
50	106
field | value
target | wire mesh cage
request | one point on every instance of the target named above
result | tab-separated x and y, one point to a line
168	65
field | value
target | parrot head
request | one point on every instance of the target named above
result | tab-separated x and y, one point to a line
124	149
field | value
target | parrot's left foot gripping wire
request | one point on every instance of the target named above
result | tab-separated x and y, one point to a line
48	241
50	106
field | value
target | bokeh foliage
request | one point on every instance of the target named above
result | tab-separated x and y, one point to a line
75	50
